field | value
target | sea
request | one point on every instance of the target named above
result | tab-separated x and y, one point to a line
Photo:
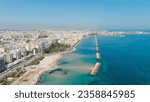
125	61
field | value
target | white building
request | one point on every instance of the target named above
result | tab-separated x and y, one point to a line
8	58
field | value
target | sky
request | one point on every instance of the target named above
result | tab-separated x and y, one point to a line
88	14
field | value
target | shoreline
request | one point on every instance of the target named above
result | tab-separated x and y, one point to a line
33	73
49	63
72	49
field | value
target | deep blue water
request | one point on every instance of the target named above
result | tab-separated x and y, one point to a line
125	61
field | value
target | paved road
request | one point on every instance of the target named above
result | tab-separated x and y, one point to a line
19	65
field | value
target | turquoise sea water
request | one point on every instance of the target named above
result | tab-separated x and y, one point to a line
125	61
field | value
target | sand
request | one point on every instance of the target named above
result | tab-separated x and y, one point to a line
32	75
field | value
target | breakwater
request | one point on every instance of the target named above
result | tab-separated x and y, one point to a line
97	65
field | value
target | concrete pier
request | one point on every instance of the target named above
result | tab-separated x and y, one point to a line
95	69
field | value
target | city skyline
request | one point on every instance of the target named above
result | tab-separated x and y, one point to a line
89	14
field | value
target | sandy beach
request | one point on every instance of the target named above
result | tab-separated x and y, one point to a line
32	74
48	63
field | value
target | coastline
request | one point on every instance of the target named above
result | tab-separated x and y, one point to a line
49	63
72	49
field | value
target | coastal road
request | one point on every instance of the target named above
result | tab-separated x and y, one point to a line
19	65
